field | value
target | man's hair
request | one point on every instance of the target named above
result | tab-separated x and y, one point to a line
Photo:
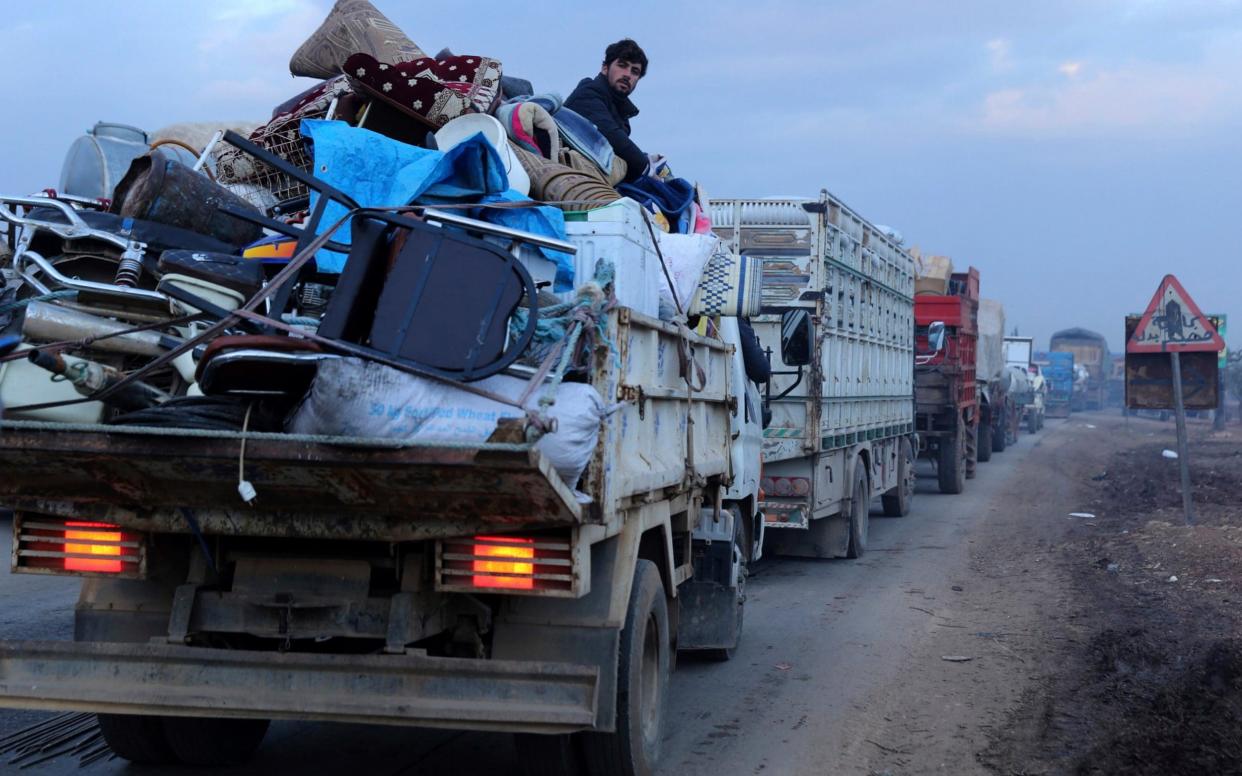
628	50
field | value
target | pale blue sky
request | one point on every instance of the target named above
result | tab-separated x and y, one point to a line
1073	151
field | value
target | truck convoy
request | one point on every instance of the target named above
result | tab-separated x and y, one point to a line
1090	352
837	297
945	393
244	570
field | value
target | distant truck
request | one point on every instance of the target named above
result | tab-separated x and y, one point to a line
838	299
1090	351
992	380
1059	374
945	389
1019	352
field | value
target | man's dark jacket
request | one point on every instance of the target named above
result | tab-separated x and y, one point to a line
610	112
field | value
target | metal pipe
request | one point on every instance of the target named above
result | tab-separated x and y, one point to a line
46	322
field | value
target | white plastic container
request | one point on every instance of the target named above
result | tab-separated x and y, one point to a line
617	232
23	383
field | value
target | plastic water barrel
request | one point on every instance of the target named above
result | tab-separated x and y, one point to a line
98	160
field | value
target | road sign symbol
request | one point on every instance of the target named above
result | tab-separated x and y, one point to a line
1173	323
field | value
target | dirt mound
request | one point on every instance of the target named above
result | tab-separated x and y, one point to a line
1190	725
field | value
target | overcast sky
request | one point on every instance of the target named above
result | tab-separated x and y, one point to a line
1074	151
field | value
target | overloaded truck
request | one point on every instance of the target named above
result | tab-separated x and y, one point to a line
837	298
1031	389
388	580
1059	374
993	380
945	389
1091	353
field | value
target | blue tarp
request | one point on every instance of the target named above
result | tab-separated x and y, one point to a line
378	171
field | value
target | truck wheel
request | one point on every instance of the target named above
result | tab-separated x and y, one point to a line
860	514
897	501
213	741
138	738
642	683
970	456
1000	440
949	469
985	442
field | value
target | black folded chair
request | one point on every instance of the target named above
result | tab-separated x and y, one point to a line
429	297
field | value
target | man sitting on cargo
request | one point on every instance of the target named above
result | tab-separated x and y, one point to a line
605	101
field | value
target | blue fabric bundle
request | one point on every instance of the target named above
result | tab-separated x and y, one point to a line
673	196
378	171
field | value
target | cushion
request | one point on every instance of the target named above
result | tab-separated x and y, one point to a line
436	91
352	26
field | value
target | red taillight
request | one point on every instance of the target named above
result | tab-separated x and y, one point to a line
46	544
786	487
507	563
530	564
89	539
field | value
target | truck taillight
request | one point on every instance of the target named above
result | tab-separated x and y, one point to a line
785	486
43	544
103	547
533	564
507	564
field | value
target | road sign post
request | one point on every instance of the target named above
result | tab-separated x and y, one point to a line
1183	451
1174	324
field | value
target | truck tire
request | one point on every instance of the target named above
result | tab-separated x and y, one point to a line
1000	440
897	502
214	741
971	454
950	471
860	514
985	442
138	738
642	684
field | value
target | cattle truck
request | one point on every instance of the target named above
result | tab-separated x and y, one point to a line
838	324
1091	353
945	388
390	582
1059	374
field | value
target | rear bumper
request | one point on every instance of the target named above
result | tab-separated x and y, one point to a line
504	695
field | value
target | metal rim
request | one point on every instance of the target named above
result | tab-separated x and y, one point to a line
649	684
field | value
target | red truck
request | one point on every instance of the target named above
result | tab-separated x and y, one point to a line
946	397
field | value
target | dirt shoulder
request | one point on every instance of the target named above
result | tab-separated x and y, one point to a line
1069	649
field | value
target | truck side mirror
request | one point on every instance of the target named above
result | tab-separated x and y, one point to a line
797	334
935	336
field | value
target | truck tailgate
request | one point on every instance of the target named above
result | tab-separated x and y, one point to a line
308	487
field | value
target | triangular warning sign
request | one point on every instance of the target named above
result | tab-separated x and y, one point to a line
1174	323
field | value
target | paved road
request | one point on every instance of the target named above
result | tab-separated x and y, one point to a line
820	636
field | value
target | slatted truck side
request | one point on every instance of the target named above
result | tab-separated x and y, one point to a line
838	320
381	581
